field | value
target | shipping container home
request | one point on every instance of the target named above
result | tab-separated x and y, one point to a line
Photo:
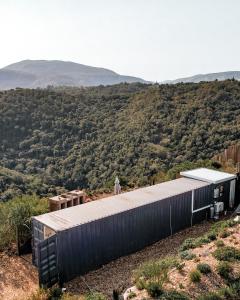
75	240
224	184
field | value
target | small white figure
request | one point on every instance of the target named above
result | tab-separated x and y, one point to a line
117	187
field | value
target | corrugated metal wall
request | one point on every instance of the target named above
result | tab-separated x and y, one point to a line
37	236
88	246
203	197
91	245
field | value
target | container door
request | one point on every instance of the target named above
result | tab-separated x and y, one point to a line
232	193
47	262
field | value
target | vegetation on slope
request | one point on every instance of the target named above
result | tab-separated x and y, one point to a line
14	184
16	214
215	267
83	137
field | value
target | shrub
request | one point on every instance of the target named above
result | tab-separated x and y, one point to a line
181	286
223	234
154	289
195	276
188	244
95	296
131	295
188	255
227	253
227	293
212	236
140	284
156	270
231	223
18	212
174	295
219	243
223	269
180	266
210	296
202	240
204	268
219	226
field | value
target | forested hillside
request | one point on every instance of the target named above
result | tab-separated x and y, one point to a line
75	137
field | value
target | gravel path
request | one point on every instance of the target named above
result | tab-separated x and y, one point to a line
117	274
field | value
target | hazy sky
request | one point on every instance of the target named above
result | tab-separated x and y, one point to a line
153	39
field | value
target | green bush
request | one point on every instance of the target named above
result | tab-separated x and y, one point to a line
219	243
227	293
231	223
154	289
202	240
212	236
95	296
195	276
224	269
140	284
188	255
210	296
223	234
188	244
227	253
192	243
180	266
156	270
174	295
131	295
17	213
204	268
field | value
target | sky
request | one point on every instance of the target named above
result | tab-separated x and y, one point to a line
152	39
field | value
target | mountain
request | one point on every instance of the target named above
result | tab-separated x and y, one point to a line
207	77
42	73
73	137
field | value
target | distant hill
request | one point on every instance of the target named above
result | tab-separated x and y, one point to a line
42	73
207	77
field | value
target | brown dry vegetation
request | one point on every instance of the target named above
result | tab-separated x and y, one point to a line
18	278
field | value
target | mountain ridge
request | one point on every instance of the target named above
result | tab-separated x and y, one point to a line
206	77
42	73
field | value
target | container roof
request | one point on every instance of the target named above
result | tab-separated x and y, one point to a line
88	212
208	175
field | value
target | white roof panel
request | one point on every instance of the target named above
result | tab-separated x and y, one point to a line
208	175
84	213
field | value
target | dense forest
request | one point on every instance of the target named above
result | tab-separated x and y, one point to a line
83	137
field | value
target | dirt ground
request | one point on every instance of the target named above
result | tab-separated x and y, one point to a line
18	278
117	274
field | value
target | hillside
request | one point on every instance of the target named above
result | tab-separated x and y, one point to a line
207	77
206	268
83	137
42	73
14	183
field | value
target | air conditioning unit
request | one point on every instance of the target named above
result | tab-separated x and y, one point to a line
219	207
